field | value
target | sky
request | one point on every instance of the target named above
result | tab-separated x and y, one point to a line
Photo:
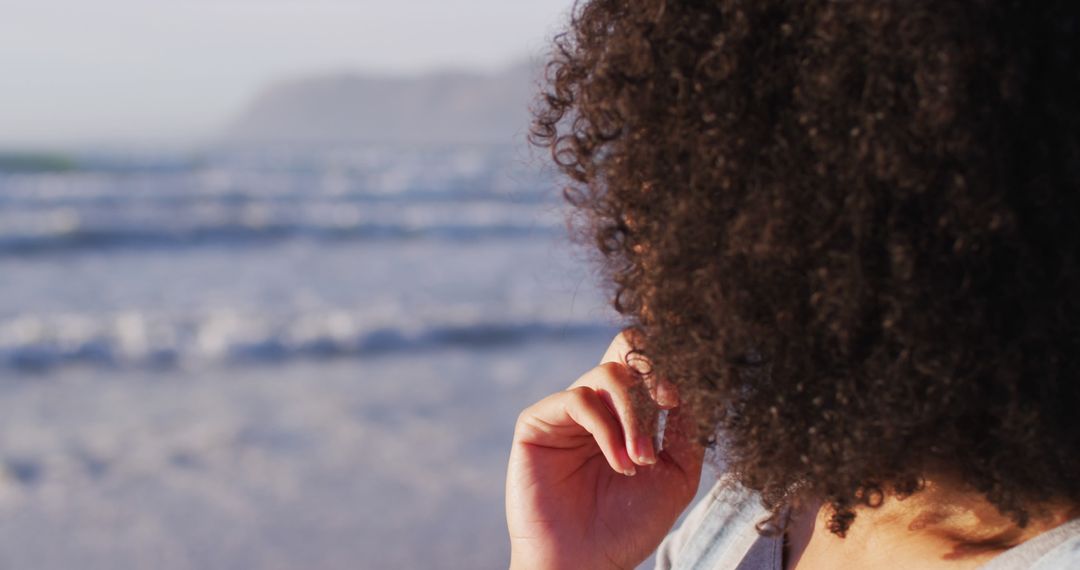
112	71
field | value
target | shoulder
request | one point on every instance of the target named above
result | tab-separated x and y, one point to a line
717	532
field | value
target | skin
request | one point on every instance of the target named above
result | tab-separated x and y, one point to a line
942	526
584	486
586	489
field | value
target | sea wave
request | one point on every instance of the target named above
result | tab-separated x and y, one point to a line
372	174
80	239
24	233
135	340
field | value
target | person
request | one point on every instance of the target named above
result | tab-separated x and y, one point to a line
845	237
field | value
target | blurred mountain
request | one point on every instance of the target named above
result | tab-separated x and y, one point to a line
442	107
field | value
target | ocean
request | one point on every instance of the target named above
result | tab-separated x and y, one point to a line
278	357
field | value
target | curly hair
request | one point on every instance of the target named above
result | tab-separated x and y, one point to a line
848	232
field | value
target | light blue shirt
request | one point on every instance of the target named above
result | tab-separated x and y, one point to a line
720	533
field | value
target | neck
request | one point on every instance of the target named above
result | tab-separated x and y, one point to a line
941	526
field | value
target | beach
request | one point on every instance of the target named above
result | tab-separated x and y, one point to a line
278	359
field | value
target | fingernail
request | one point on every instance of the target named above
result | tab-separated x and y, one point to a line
630	472
666	395
643	449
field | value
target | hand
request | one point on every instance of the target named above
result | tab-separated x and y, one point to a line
585	489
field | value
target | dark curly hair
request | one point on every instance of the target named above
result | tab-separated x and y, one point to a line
847	231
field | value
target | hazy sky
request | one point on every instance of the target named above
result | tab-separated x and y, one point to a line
78	71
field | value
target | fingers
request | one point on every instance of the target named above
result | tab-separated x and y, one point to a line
621	351
588	409
621	389
678	447
616	406
663	392
559	421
